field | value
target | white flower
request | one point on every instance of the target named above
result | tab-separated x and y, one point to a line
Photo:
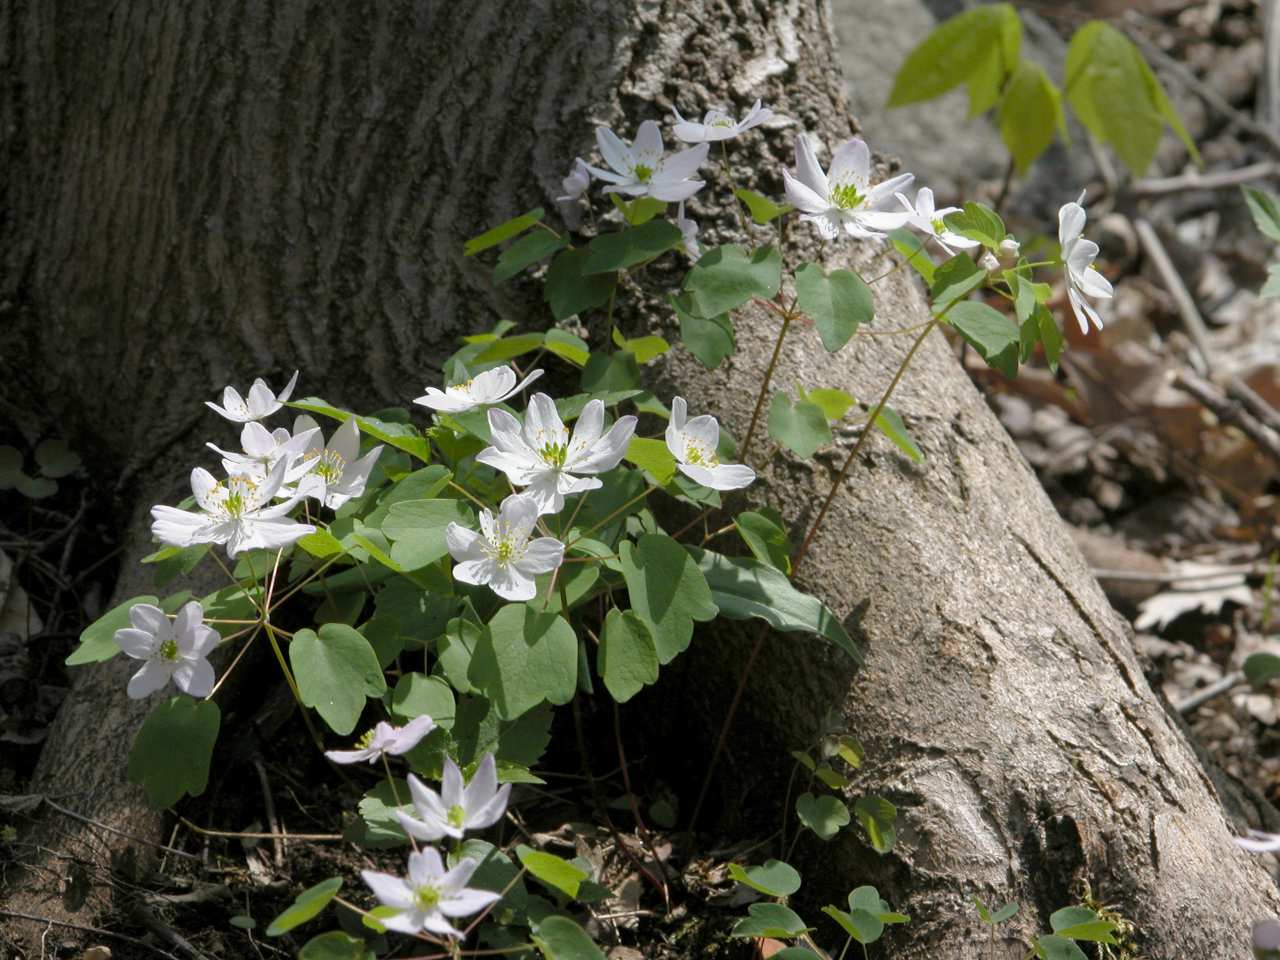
455	809
174	649
332	474
263	449
927	219
544	458
1077	257
642	170
1259	842
234	512
843	198
576	183
384	738
261	403
718	125
689	231
429	894
492	386
988	261
503	558
693	444
1009	247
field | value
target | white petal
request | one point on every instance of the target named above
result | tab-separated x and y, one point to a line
851	164
195	677
346	440
188	619
1095	284
542	556
426	867
463	544
609	449
510	584
390	891
139	644
544	488
675	191
520	468
149	617
615	152
411	734
647	145
351	756
519	511
430	829
287	392
803	197
492	811
450	785
483	785
731	476
505	433
153	675
683	165
1071	218
478	573
808	170
467	901
586	431
542	424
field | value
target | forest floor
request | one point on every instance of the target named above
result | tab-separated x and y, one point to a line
1156	441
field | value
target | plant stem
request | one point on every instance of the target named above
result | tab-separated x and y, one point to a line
638	497
293	686
395	792
787	317
608	317
857	447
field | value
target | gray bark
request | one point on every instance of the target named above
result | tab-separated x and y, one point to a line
203	193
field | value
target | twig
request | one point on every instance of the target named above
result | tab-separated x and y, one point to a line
128	836
253	835
1253	403
1157	186
1200	697
1206	92
277	839
1191	318
84	928
1230	411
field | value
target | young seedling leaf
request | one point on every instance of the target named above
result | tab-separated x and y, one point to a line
774	878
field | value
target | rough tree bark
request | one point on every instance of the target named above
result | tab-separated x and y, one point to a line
201	193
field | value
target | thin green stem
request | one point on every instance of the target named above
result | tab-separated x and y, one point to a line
857	447
293	687
395	792
592	529
608	315
847	942
469	495
232	577
318	571
787	317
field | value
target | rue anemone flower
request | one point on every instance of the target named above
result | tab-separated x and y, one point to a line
639	169
927	218
263	449
1078	255
456	809
689	232
176	650
693	444
718	125
332	473
237	512
492	386
429	894
501	556
385	739
541	456
576	182
260	403
843	198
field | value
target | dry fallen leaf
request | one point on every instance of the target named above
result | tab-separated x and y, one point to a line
1207	592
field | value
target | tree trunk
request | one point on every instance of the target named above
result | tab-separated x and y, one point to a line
203	193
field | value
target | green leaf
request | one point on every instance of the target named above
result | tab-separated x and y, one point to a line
653	457
834	404
1117	97
417	694
56	459
623	249
825	815
769	920
524	658
97	641
638	211
402	436
508	348
914	251
850	751
171	752
611	373
763	210
1005	912
891	425
335	945
773	879
417	529
558	874
1029	113
957	50
643	349
726	277
559	938
628	657
1259	668
503	231
568	291
305	906
877	816
837	302
36	488
801	427
744	588
766	537
710	340
570	408
567	347
1265	209
954	279
868	898
525	252
667	589
321	544
1081	923
989	332
976	221
1050	336
1052	947
863	926
335	670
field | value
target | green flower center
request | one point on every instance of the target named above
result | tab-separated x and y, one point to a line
365	741
698	457
643	173
169	650
722	122
330	466
426	897
939	226
846	196
555	453
235	503
506	553
457	816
